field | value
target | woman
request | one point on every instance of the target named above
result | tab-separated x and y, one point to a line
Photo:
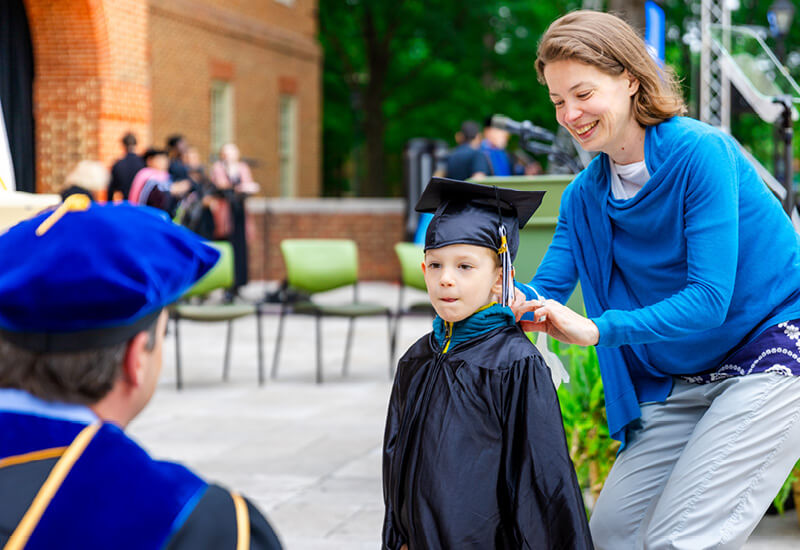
690	273
232	177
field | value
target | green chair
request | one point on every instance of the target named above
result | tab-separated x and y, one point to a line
220	276
410	257
320	265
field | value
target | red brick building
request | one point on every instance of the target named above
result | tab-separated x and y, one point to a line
246	71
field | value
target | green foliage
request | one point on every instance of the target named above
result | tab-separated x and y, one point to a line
584	412
413	69
683	15
786	489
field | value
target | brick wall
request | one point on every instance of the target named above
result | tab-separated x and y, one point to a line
375	224
260	48
105	67
90	85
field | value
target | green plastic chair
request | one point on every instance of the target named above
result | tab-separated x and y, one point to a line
410	257
220	276
319	265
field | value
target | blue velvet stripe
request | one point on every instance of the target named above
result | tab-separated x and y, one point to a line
115	496
23	433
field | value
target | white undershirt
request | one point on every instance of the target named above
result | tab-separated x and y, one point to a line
627	179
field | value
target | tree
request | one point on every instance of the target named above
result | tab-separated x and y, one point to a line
398	70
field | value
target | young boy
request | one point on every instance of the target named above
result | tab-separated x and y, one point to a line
474	450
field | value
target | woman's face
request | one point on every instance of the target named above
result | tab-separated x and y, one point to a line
595	107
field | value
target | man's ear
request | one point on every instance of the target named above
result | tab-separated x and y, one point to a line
423	268
135	359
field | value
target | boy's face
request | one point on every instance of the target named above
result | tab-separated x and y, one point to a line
461	278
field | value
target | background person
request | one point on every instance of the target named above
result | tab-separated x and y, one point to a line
81	337
232	177
124	170
690	273
153	185
87	178
493	146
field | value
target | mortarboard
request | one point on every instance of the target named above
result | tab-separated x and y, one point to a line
482	215
89	276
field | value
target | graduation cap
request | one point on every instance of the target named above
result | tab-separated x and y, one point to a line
482	215
89	276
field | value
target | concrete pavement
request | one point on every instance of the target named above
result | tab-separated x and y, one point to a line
307	454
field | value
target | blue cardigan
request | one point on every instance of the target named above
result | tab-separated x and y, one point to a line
700	261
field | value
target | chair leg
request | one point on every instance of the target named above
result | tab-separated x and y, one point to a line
319	349
178	376
395	329
227	364
260	347
392	342
278	339
348	345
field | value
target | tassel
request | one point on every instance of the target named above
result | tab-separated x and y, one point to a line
505	261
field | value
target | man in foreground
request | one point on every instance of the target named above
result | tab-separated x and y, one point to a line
81	332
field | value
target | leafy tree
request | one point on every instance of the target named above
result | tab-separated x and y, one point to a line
399	70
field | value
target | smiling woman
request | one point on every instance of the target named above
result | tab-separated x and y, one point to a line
668	231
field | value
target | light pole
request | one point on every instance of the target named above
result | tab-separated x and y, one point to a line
779	16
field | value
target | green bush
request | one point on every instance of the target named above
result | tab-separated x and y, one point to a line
786	490
583	409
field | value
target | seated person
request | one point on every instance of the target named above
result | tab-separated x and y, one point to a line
81	336
474	450
153	186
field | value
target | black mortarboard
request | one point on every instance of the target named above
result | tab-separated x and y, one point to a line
482	215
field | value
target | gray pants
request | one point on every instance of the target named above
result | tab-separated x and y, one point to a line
703	467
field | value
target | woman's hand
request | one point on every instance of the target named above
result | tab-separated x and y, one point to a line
558	321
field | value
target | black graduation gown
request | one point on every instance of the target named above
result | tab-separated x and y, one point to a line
474	451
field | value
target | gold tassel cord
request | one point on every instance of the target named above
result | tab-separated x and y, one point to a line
74	203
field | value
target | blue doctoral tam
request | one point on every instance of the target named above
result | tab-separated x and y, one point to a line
95	277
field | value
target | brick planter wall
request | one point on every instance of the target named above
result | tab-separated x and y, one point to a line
375	224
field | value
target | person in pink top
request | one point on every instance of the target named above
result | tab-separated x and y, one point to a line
233	178
152	185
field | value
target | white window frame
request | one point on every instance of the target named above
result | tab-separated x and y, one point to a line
287	145
222	114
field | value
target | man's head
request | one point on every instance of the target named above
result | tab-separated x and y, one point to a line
129	141
497	137
128	371
82	321
470	132
176	145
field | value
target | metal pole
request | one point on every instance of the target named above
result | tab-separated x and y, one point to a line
788	135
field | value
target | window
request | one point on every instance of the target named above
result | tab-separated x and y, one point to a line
287	145
221	114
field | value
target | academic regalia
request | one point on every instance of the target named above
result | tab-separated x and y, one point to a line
67	479
114	495
475	454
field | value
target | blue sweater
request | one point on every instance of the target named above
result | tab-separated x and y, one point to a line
700	261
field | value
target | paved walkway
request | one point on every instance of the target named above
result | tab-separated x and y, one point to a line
308	455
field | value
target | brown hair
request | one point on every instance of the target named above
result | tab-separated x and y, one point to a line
82	377
611	45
